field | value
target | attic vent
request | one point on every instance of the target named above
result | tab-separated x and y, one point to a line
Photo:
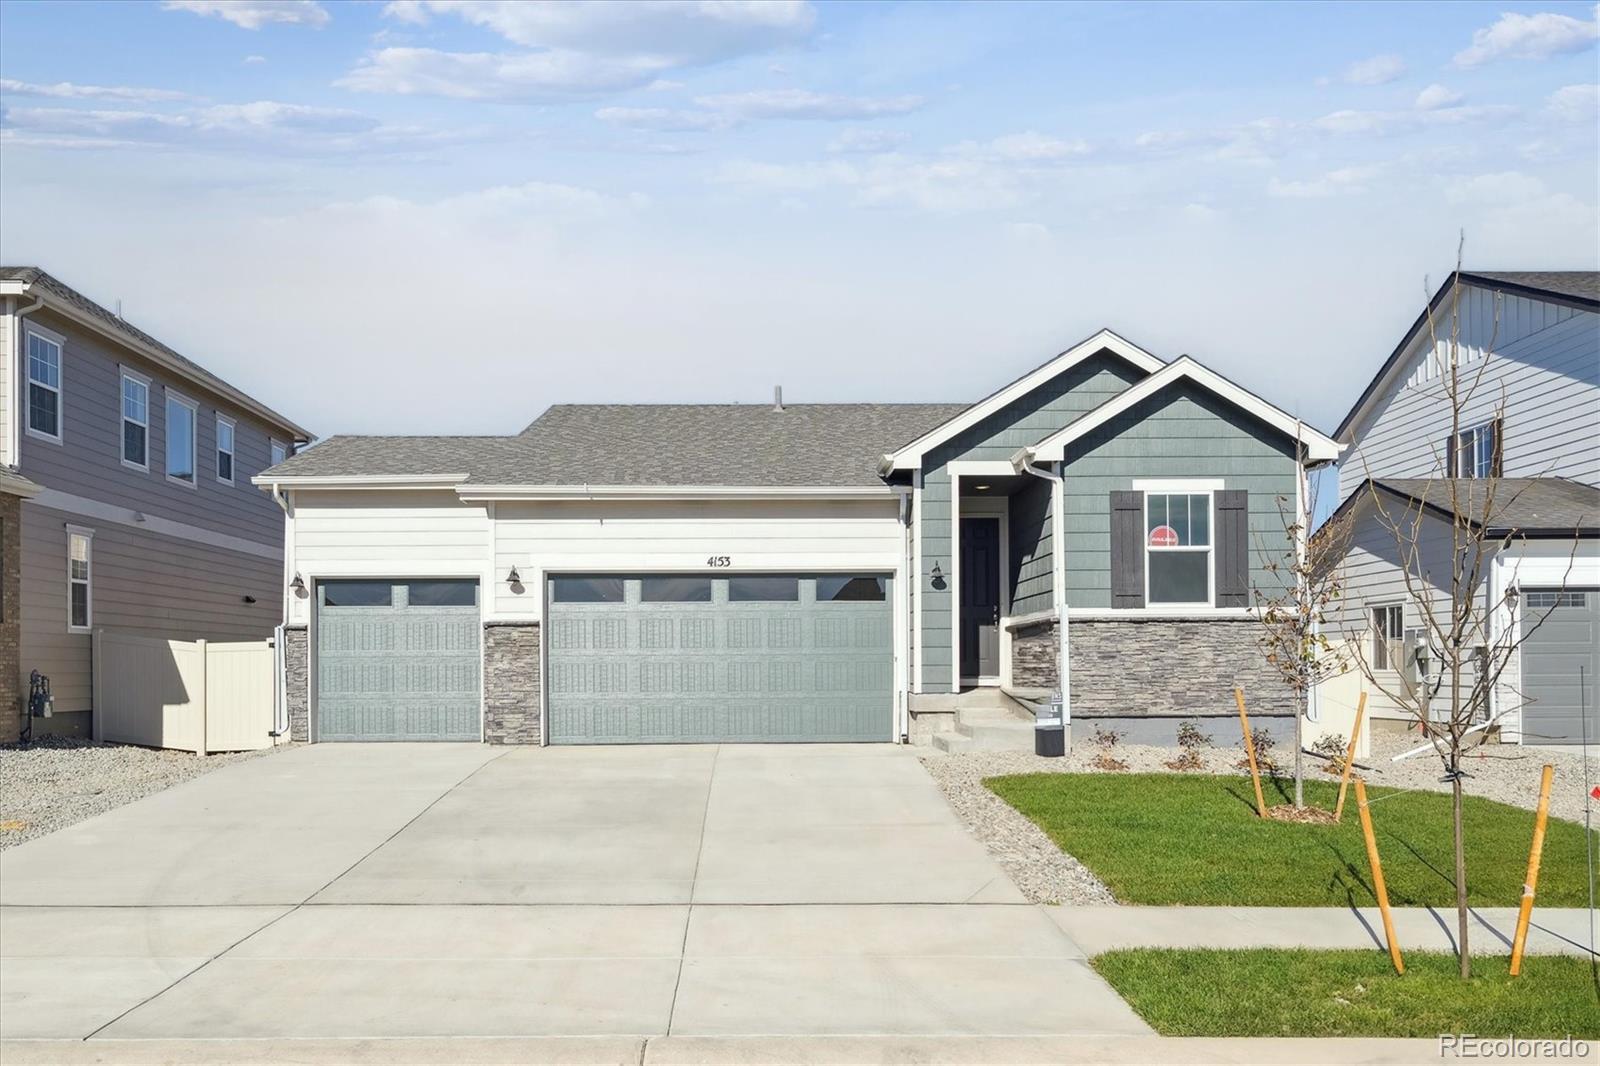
777	397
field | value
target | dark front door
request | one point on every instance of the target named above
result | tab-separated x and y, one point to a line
980	597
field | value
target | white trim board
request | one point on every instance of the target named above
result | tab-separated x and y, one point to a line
910	456
1318	448
122	516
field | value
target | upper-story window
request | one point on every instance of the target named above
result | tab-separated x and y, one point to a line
44	384
135	420
181	414
280	452
1475	452
225	449
1177	548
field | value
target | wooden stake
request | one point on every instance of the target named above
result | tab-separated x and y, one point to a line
1534	855
1350	757
1250	751
1377	877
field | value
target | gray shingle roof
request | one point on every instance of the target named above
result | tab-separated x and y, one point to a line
1546	505
34	277
1578	284
831	445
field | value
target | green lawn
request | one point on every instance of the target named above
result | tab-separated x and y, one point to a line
1172	839
1351	993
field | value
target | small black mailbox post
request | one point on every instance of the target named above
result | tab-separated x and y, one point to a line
1049	729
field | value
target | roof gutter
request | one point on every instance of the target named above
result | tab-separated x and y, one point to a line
1023	462
155	355
675	492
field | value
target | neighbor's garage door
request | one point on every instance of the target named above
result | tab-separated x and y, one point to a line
759	657
1564	648
397	660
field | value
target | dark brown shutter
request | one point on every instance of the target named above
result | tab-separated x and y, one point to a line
1127	549
1233	548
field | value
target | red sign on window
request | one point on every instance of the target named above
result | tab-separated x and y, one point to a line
1163	537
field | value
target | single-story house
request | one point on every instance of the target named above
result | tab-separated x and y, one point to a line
796	572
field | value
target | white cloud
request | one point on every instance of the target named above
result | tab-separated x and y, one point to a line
947	184
803	104
1575	103
1383	123
254	14
498	75
577	49
1504	187
1436	96
262	125
1538	36
1378	70
252	60
66	90
1029	147
867	141
1342	182
663	120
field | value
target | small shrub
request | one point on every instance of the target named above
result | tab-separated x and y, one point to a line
1105	742
1264	746
1191	741
1333	746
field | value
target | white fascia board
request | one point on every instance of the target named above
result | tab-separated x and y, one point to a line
165	361
910	456
1318	447
359	481
676	492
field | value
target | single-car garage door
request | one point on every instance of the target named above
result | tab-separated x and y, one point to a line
652	659
397	660
1560	661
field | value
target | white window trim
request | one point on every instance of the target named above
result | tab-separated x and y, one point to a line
60	388
1398	644
173	396
1466	444
1191	487
88	585
122	416
232	453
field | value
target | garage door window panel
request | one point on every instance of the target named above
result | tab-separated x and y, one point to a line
442	594
675	590
587	589
844	588
357	594
760	589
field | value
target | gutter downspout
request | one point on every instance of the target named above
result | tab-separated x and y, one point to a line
902	697
1058	573
280	680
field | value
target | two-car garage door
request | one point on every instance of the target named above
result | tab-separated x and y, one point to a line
748	657
631	659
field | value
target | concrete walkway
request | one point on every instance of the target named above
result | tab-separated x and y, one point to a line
391	892
1552	931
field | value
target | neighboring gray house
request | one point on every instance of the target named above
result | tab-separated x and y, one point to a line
646	573
130	504
1530	341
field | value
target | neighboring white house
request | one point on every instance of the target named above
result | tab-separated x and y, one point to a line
1530	343
724	572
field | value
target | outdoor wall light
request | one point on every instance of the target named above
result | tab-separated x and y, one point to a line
937	575
298	585
513	578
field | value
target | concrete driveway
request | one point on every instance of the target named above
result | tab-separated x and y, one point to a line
396	891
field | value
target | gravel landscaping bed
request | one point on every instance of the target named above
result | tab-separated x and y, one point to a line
1506	773
58	781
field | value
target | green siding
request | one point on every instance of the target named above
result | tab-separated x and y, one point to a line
1182	432
1022	422
1032	571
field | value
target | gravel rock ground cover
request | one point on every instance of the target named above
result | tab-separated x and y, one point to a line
1506	773
58	781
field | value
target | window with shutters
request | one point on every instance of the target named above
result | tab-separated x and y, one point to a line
1178	549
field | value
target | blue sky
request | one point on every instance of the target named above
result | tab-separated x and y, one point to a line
441	217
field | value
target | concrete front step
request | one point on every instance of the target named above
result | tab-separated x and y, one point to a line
989	733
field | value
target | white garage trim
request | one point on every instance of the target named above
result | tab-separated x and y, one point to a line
1533	564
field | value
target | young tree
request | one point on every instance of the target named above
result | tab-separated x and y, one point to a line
1445	532
1294	615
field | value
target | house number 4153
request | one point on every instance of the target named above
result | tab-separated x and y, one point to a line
717	562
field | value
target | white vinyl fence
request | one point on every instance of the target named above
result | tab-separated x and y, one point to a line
1336	699
194	695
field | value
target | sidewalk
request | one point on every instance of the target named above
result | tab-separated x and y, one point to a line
1554	931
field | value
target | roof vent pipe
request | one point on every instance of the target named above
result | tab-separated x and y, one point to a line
777	397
